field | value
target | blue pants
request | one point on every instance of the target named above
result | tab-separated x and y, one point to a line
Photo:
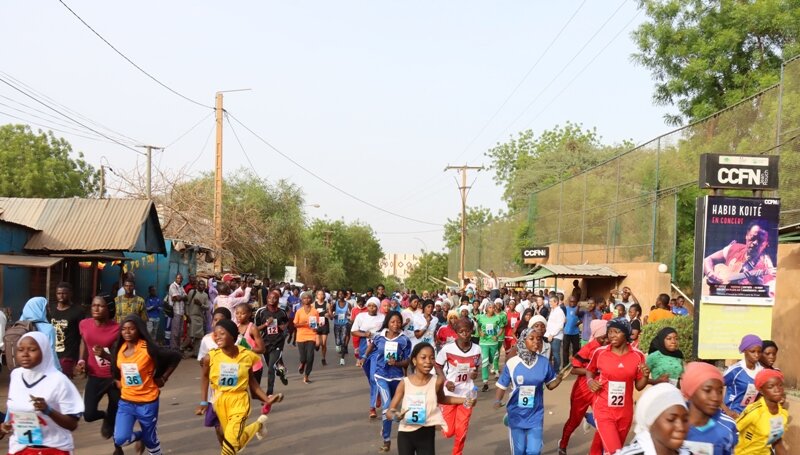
146	414
386	389
555	348
525	441
369	371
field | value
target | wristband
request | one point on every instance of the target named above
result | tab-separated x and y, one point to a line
204	403
47	410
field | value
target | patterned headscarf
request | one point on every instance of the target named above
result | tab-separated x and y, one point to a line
522	349
622	325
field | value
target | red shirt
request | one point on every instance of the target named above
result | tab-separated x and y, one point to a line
608	316
105	336
513	321
616	375
353	313
446	334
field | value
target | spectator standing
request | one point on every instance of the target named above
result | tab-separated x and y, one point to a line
65	317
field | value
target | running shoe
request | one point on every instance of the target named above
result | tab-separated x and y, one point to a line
485	388
372	413
341	362
262	419
302	368
338	348
106	431
387	446
280	371
324	362
562	451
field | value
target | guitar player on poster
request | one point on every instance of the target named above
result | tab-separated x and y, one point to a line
742	263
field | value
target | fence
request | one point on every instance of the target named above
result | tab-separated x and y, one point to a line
639	205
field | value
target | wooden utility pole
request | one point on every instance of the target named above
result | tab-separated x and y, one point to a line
149	182
102	181
463	187
218	188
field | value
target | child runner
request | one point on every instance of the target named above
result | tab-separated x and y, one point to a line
661	423
664	358
249	337
740	388
140	368
769	354
539	324
611	374
98	335
702	386
305	321
526	374
763	423
581	397
44	407
365	326
392	350
458	363
490	326
271	321
341	326
228	371
415	404
424	324
447	333
513	317
206	345
360	307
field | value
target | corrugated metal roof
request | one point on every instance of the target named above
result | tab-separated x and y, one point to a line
29	261
85	224
574	271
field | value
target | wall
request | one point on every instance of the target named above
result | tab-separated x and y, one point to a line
785	314
152	269
14	291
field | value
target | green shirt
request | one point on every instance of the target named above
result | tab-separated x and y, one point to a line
125	306
490	328
660	364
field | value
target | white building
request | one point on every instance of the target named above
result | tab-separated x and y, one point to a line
399	264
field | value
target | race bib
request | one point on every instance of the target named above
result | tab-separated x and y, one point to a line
228	374
130	374
341	317
513	323
527	396
699	448
312	322
775	429
416	409
272	329
390	350
321	320
490	330
616	394
27	429
101	362
749	395
462	372
427	339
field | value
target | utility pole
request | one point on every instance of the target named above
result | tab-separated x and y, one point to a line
149	175
218	188
102	181
463	188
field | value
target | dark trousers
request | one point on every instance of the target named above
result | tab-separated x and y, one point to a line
96	388
571	343
273	356
418	442
306	349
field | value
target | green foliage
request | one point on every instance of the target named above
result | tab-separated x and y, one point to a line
707	55
476	217
431	264
392	283
39	165
684	325
340	255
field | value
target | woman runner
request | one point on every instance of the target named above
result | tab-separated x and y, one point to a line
250	337
612	373
140	368
740	388
98	335
415	404
664	358
365	326
490	329
228	371
661	423
44	407
763	423
769	354
341	325
710	431
510	338
323	326
206	345
447	333
305	321
424	324
392	350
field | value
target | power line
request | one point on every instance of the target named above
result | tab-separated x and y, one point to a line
68	117
189	130
227	117
52	128
313	174
202	149
131	61
44	125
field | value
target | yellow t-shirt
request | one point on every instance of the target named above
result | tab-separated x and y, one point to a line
136	375
659	314
227	374
759	429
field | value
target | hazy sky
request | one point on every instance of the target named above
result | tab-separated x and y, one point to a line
376	97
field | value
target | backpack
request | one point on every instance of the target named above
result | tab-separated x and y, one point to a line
13	333
167	307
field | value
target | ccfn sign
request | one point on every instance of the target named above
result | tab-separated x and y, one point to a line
538	252
746	172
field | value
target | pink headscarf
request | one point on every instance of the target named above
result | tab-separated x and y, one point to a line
695	374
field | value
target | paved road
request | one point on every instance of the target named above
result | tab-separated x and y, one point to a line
328	416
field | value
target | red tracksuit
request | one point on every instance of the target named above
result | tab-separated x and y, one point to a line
581	397
356	339
513	321
613	404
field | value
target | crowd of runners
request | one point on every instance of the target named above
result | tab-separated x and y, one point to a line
428	360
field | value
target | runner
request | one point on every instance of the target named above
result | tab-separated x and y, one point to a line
250	337
360	307
365	326
489	329
447	333
65	317
271	321
228	371
611	374
661	423
740	388
702	385
44	407
98	335
763	423
458	363
415	404
206	345
392	350
526	374
510	338
581	397
664	358
539	324
305	321
323	326
141	369
341	325
769	354
35	310
424	324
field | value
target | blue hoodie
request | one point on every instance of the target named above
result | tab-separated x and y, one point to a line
36	310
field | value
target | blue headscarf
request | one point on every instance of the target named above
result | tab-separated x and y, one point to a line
36	310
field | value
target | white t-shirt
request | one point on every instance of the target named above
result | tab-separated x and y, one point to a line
366	323
458	367
206	344
408	321
555	324
522	306
429	335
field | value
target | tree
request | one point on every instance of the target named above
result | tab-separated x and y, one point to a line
708	55
39	165
431	264
476	216
340	255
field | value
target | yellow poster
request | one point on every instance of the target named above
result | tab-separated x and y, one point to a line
723	326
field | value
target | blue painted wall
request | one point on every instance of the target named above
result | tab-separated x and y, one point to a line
15	279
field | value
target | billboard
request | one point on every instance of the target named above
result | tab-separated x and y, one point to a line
751	172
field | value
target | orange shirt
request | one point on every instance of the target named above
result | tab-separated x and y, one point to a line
659	314
137	375
301	321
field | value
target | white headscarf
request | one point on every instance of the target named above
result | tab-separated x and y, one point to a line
654	401
48	364
536	318
374	300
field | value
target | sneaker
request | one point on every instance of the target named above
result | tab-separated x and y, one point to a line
341	362
106	431
561	451
485	388
324	362
281	373
302	368
338	348
262	419
387	446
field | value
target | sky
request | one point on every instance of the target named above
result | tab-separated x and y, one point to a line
374	97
